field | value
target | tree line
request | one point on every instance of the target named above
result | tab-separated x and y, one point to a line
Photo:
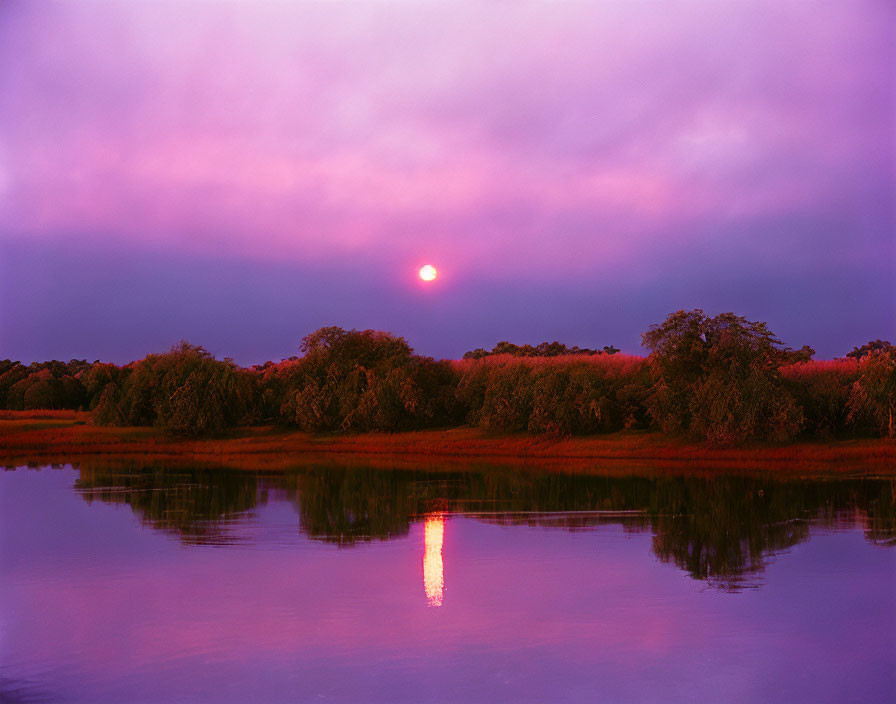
544	349
720	378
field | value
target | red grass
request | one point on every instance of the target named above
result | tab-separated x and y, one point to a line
44	415
58	439
835	367
617	364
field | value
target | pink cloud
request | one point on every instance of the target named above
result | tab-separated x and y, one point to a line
288	130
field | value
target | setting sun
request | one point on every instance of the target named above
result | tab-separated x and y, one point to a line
428	272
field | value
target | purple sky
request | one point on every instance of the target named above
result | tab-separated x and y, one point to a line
241	173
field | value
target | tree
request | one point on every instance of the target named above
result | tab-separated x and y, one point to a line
365	380
184	391
718	378
872	346
96	378
543	349
872	398
803	354
45	385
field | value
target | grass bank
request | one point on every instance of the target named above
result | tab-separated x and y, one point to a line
48	437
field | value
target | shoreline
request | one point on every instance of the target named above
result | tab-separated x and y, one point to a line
54	437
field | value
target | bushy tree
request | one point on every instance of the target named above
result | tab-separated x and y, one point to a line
96	378
872	398
822	389
272	379
11	372
184	391
562	396
44	385
507	402
365	380
109	409
718	378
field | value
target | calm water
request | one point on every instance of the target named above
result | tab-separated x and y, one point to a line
146	585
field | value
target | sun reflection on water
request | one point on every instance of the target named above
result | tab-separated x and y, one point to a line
433	570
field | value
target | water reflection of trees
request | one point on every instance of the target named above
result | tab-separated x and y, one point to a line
721	529
724	529
347	506
196	504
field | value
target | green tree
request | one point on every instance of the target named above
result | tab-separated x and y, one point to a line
365	380
872	398
718	378
184	391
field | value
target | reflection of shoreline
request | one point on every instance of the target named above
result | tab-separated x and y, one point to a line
719	529
433	569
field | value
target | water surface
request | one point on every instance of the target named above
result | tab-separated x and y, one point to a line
146	584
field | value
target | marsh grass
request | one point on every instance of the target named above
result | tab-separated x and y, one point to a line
24	439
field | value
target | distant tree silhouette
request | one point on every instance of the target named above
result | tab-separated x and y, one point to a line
544	349
50	385
872	346
803	354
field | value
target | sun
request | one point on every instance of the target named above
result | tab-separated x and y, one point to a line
428	272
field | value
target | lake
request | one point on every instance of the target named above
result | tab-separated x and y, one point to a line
146	584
